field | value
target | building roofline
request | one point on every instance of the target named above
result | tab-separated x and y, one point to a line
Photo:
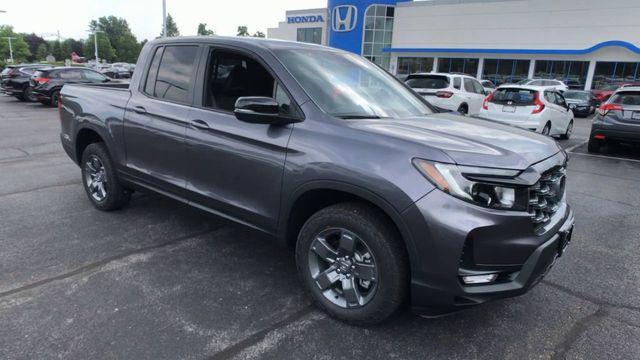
619	43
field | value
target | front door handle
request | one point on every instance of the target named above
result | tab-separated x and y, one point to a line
140	110
199	124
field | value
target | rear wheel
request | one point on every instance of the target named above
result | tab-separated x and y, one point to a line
55	98
463	109
594	146
567	134
100	180
28	94
353	263
547	129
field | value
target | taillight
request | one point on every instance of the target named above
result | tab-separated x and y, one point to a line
444	94
487	100
539	105
605	108
42	80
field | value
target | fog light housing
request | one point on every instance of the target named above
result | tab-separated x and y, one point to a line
479	279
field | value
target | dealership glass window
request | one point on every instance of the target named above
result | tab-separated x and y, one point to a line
615	72
505	71
573	73
378	31
310	35
412	65
458	65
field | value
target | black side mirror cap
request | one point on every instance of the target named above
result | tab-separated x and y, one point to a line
260	110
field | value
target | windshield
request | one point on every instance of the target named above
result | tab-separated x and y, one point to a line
350	87
578	95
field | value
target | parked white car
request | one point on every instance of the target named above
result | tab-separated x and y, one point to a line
455	92
535	108
548	83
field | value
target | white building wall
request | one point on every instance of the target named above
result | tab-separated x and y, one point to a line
289	31
516	24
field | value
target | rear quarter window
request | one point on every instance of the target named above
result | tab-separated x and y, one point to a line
521	97
428	82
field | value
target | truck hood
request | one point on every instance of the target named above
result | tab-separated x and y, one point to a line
468	141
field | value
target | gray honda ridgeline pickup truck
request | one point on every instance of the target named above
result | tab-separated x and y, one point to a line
383	198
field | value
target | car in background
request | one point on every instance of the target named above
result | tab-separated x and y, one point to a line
536	108
618	120
603	94
449	91
116	72
487	85
580	102
15	82
130	67
548	83
47	83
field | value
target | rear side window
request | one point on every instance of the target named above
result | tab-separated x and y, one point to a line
631	98
150	82
175	73
457	83
70	75
428	82
522	97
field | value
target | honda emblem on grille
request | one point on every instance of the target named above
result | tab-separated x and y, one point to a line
344	18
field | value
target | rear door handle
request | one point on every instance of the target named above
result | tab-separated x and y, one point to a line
199	124
139	110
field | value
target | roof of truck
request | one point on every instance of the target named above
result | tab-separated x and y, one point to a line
271	44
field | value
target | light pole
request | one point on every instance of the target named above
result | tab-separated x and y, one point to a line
10	48
95	43
164	18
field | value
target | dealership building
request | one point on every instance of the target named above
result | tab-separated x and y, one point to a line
586	43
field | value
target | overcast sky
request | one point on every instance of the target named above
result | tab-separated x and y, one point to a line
71	18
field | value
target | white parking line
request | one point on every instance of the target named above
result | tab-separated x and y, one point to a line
571	148
604	157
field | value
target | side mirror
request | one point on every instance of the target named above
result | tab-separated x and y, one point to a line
259	110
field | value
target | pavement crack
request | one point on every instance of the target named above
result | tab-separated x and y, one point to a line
100	263
561	350
591	299
255	338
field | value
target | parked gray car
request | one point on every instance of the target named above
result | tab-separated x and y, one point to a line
383	198
618	120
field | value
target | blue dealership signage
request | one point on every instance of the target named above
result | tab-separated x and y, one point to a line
304	19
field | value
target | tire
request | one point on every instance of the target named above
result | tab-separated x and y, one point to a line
567	133
379	257
463	109
28	94
594	146
100	180
55	97
546	130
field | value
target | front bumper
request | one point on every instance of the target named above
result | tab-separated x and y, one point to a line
447	232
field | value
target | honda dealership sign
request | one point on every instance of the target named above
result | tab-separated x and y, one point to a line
344	18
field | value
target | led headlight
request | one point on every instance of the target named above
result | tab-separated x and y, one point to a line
459	182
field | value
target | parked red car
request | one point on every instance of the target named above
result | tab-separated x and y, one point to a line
603	94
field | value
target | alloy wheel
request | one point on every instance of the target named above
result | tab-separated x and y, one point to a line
95	177
343	267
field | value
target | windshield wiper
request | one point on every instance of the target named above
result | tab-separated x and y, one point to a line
351	117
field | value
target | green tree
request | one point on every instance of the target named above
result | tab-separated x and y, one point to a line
172	28
105	50
76	46
120	37
55	49
203	31
20	47
33	41
65	49
258	34
41	52
242	31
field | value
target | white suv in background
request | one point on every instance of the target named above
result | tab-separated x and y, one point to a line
535	108
548	83
455	92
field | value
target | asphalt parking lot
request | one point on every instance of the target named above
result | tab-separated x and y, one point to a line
159	280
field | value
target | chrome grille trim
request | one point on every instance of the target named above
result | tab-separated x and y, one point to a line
545	197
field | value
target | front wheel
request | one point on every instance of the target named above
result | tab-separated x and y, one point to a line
567	133
100	181
353	263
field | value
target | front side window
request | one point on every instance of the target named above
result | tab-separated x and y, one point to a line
175	73
347	86
233	75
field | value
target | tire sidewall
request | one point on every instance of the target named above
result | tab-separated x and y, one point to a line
112	187
390	272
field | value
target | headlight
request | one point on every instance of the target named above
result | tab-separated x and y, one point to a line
490	192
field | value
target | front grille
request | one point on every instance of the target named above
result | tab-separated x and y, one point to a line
546	195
